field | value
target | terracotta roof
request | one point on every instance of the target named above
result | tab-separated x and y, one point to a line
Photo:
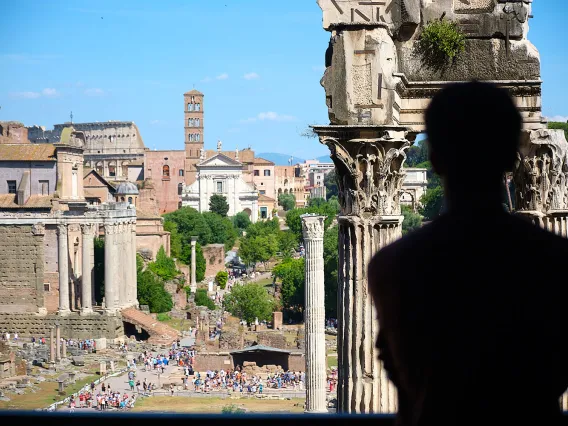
260	160
27	152
265	198
8	201
193	92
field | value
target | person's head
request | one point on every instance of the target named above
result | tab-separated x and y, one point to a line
473	132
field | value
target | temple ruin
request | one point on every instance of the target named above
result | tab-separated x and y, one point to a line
377	88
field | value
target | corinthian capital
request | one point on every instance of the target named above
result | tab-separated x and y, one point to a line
88	229
62	229
312	226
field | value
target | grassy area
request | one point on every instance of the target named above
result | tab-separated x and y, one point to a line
175	323
266	282
46	395
181	404
331	361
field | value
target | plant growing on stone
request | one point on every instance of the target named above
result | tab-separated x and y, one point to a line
441	41
221	278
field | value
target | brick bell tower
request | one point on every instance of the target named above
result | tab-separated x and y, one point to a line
194	141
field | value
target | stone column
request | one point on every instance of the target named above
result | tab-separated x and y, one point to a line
88	235
93	290
368	163
51	346
193	265
110	269
57	343
63	261
122	265
63	349
133	265
314	318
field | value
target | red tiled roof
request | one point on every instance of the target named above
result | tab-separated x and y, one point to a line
25	152
265	198
262	161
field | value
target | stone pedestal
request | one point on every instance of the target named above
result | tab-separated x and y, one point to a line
316	369
193	265
277	320
368	161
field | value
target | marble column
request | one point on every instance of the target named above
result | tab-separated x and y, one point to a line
193	265
314	317
133	265
51	345
93	290
57	343
122	269
110	269
88	270
63	263
368	163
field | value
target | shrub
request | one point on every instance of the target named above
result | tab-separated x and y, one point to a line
440	42
163	317
221	278
164	266
232	409
201	299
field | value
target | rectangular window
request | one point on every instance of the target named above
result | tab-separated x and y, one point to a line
267	173
219	187
111	171
44	187
12	187
264	212
257	172
46	287
262	192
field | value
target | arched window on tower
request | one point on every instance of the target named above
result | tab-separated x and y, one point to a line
189	107
197	122
198	107
181	172
166	171
190	122
198	137
180	188
193	99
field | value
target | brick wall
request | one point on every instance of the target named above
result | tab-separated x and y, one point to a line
214	258
213	361
21	269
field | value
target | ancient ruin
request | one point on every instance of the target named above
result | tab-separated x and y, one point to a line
377	86
314	317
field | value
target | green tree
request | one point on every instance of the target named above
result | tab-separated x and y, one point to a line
250	301
432	202
151	292
286	243
175	238
330	262
411	220
334	203
291	273
416	154
200	263
316	202
330	182
287	201
164	266
221	278
258	248
222	230
99	269
294	221
241	220
218	204
202	299
190	223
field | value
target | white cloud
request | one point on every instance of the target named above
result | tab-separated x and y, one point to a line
269	116
94	92
49	92
223	76
558	118
251	76
25	95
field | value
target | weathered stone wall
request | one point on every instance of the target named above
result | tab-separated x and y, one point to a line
73	326
215	258
13	132
21	269
213	361
297	362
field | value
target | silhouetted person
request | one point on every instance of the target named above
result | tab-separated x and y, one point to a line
472	307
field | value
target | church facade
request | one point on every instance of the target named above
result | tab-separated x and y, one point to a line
223	176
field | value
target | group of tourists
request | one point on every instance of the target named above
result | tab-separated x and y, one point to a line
105	399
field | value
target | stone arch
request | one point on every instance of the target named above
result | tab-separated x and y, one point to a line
248	212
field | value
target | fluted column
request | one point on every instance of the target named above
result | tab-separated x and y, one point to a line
193	264
88	235
63	263
368	163
122	265
314	317
110	269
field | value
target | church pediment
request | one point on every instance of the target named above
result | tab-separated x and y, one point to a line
220	160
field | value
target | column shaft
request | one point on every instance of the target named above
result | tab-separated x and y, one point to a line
63	263
110	292
122	265
57	343
134	268
51	345
316	368
87	269
193	263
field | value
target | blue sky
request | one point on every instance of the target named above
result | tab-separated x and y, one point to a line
258	62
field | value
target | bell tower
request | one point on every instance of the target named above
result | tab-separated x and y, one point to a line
194	141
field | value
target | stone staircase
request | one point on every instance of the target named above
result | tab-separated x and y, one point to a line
160	334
